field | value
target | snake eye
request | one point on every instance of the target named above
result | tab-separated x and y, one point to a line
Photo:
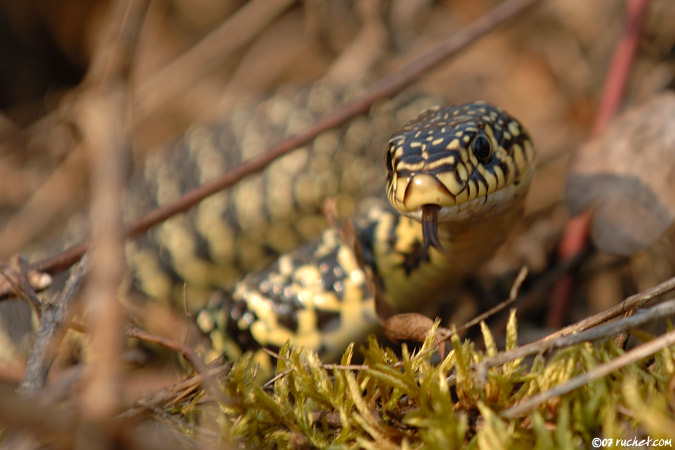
481	148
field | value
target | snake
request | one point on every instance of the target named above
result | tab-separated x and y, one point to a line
456	181
243	229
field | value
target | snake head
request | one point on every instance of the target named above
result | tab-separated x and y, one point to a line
459	163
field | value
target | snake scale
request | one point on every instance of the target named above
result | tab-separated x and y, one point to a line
456	182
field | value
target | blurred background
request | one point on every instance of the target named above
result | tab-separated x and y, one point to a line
547	68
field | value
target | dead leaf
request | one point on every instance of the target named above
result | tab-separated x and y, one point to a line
627	175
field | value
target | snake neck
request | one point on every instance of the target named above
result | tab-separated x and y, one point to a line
412	276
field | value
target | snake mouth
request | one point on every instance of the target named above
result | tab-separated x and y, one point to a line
461	194
427	200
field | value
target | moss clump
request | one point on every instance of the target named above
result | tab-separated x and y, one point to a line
411	403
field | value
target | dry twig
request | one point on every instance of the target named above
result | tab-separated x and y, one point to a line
630	304
101	114
50	332
102	118
630	357
599	332
16	275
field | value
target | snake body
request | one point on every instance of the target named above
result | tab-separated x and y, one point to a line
456	179
266	215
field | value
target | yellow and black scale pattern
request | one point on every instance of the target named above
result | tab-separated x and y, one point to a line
265	215
463	170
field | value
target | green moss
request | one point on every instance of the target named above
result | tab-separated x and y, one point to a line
412	403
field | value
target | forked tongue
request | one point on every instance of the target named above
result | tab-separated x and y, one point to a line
430	227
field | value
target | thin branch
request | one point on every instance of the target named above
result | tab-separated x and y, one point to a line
600	332
633	356
513	296
15	274
118	43
269	383
620	66
50	332
386	87
101	114
102	118
632	303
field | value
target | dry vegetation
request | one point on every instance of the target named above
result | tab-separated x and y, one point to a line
91	87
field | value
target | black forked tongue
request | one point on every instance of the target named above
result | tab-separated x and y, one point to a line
430	227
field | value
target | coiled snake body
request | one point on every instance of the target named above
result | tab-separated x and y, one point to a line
456	177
